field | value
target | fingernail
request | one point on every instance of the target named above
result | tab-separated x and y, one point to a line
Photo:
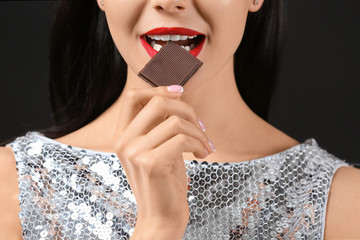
206	152
202	125
175	88
212	146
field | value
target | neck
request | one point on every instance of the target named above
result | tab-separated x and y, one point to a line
231	125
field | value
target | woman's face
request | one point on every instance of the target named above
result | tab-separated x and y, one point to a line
220	24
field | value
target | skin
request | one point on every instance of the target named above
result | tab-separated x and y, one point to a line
152	130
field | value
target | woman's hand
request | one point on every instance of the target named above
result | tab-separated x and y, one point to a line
159	129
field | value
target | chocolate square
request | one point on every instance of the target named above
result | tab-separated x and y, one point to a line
172	65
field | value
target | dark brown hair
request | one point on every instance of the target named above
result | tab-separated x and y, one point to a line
87	73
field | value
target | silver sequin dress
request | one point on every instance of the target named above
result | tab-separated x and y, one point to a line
73	193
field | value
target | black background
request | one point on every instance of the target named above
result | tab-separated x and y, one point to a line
317	96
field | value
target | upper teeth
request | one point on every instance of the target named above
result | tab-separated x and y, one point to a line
170	37
157	47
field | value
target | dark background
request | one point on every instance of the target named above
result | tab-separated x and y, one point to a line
317	96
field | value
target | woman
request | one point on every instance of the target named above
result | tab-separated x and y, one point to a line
114	133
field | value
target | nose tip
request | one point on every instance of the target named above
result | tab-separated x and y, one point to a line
171	6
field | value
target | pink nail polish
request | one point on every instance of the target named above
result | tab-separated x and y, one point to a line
212	146
206	152
175	88
202	125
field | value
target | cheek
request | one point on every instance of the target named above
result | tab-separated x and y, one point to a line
116	13
235	33
226	19
121	18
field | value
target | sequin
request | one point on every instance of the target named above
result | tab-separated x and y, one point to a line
72	193
86	160
109	216
74	216
92	198
78	226
43	234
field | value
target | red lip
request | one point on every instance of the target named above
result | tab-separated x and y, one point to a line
172	31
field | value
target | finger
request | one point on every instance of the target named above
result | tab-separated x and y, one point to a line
171	127
135	99
155	112
175	147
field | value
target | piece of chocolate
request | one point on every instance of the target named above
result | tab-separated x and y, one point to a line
172	65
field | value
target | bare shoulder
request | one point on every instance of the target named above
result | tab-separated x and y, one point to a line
343	208
9	190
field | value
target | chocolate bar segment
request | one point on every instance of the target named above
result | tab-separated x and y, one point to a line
172	65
